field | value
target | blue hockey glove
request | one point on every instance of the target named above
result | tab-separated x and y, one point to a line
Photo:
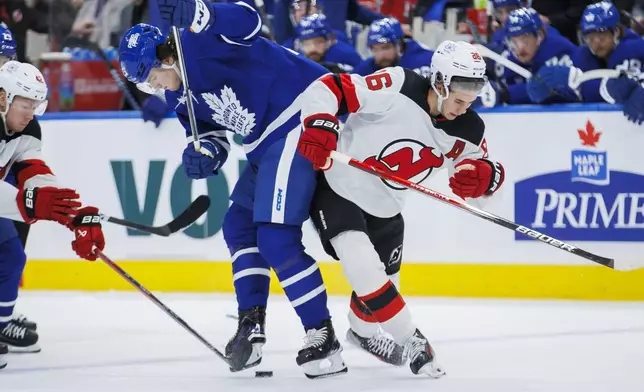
634	106
537	89
620	89
197	165
154	109
194	14
558	77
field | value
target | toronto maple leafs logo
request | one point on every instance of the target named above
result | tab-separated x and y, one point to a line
133	40
228	111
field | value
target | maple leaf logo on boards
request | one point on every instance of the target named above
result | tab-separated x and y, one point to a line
588	164
229	112
588	136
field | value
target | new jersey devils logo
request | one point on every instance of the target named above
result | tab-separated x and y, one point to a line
408	159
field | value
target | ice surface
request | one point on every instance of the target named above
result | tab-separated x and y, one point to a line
121	342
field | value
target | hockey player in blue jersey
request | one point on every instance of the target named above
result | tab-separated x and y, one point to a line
302	8
248	85
502	9
316	40
532	47
609	45
390	48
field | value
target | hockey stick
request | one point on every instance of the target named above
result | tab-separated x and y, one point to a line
610	263
87	44
574	83
158	303
186	88
185	219
632	19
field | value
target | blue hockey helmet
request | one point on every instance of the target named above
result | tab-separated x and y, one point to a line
7	43
522	21
313	26
381	33
138	51
600	16
296	4
395	24
506	3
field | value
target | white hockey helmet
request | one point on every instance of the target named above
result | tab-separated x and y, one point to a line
23	80
455	59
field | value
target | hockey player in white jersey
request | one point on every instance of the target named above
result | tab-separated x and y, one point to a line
37	196
411	126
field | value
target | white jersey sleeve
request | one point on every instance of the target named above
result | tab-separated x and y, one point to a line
8	204
28	163
339	94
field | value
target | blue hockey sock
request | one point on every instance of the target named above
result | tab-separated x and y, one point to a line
298	273
251	277
12	263
251	273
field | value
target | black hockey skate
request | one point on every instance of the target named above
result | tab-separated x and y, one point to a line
321	344
244	349
24	321
380	346
19	338
421	356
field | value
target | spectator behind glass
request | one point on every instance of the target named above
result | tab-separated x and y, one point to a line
20	18
60	15
98	20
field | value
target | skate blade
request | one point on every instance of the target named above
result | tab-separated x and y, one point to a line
331	366
432	369
35	348
3	364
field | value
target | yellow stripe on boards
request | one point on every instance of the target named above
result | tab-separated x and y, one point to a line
445	280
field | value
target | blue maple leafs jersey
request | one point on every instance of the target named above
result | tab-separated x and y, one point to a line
343	55
553	50
416	57
628	56
242	83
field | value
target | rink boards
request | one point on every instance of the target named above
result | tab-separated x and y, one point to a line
573	172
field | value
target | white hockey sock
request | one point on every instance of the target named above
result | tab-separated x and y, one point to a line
367	276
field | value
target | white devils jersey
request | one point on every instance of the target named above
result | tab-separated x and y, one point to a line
390	127
20	152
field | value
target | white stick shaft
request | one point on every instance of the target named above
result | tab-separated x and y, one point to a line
503	61
186	88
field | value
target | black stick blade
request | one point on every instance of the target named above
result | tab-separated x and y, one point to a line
190	215
185	219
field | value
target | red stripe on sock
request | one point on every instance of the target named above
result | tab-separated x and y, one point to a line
390	311
360	314
376	293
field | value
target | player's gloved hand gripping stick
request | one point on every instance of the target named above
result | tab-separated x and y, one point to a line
610	263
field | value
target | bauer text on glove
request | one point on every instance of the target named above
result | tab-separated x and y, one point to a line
319	138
